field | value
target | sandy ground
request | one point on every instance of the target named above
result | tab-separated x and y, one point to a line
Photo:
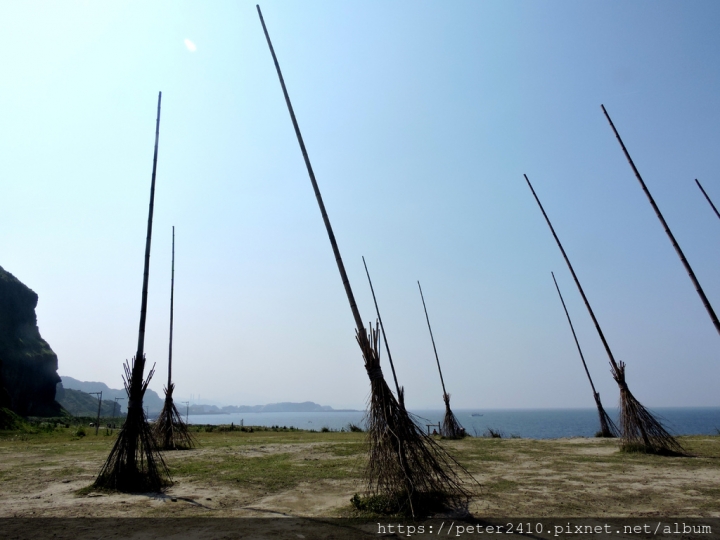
571	478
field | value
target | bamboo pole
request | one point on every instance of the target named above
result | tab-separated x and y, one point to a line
135	397
433	340
172	292
382	328
577	343
708	198
140	355
665	226
577	281
336	251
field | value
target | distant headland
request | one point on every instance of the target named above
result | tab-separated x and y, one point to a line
155	403
284	407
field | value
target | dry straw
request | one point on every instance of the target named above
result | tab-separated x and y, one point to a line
405	465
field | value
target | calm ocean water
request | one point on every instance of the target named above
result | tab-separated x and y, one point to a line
526	423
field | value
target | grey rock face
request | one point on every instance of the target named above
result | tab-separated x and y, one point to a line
28	366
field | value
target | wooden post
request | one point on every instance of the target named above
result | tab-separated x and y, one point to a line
665	226
97	422
708	198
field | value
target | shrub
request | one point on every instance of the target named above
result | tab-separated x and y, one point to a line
398	505
491	433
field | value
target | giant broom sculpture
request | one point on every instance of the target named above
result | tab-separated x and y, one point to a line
665	226
607	426
450	427
640	430
170	431
134	463
405	466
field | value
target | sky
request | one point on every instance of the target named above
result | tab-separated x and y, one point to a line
420	119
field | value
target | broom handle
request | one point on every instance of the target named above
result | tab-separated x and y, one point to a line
574	335
432	339
331	235
708	198
139	365
387	347
577	282
172	291
686	264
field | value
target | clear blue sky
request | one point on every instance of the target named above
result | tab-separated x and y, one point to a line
420	119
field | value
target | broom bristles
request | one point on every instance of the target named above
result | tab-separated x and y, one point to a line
608	429
134	463
171	433
450	428
640	429
403	461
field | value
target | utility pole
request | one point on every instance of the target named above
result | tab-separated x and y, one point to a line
115	408
97	423
187	410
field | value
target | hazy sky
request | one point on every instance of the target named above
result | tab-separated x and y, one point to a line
420	119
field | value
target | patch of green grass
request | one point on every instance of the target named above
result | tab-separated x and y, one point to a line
500	484
271	473
347	449
637	448
398	505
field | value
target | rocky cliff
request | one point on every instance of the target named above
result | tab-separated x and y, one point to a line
28	366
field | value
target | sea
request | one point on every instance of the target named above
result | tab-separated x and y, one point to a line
523	423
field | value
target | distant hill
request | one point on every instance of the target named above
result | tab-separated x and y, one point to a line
79	403
306	406
155	403
151	399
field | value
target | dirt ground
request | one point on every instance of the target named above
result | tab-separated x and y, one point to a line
314	475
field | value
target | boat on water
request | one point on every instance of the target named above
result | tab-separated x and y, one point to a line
476	414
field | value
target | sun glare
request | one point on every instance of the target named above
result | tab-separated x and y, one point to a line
190	45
